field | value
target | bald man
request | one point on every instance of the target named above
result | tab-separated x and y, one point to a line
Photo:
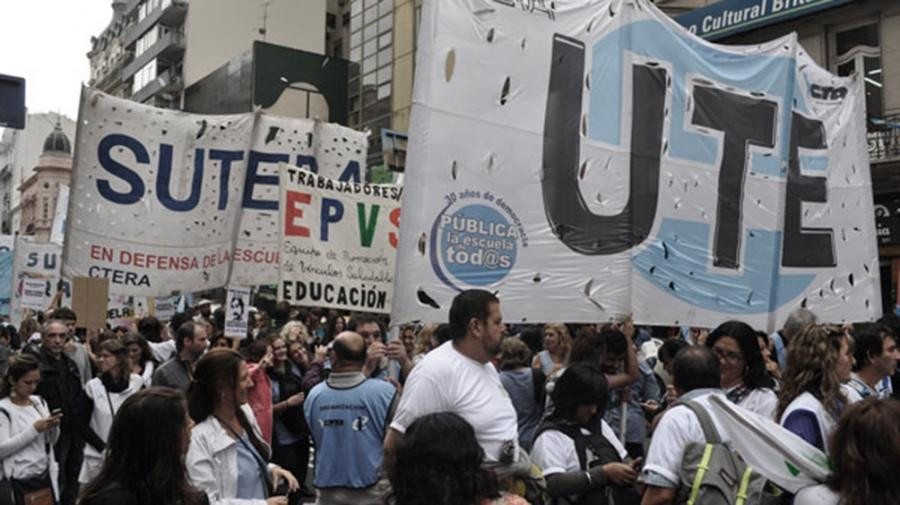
348	415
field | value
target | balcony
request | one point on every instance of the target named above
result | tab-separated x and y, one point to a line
168	47
166	82
170	12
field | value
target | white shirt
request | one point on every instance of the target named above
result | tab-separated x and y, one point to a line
762	401
22	448
106	404
816	495
445	381
678	428
554	451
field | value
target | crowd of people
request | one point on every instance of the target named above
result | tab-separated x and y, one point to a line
469	412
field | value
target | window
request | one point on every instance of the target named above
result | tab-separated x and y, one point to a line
385	6
857	48
385	24
147	40
370	49
356	7
355	38
145	75
384	40
384	74
385	56
345	20
330	20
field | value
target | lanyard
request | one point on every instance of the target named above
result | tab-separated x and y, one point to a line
263	470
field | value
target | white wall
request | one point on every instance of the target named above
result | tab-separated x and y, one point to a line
218	30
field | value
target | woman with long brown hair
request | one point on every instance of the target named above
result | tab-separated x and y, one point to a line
228	458
812	398
865	455
102	397
144	463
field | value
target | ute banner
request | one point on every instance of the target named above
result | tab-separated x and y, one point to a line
592	158
166	201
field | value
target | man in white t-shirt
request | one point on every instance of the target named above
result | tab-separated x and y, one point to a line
459	377
696	377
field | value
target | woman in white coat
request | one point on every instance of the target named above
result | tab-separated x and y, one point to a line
27	431
103	395
228	458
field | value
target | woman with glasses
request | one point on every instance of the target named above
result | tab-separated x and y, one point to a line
745	380
812	397
103	395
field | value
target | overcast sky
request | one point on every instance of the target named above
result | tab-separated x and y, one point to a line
46	42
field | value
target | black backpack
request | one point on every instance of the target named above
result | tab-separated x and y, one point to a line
604	452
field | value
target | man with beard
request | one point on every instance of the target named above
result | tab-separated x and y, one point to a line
459	377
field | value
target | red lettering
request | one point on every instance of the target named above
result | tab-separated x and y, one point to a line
101	253
394	217
293	211
125	257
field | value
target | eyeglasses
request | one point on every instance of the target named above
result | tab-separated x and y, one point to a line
727	356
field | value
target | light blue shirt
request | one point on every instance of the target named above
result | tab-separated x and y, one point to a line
250	484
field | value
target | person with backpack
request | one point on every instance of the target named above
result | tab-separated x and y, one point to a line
583	465
525	386
697	377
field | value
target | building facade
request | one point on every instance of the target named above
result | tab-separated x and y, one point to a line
20	152
40	191
140	54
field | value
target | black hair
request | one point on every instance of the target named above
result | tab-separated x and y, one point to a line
281	313
184	331
588	347
438	462
360	319
65	314
139	340
468	305
345	355
533	338
178	319
696	367
17	367
615	341
150	328
580	384
218	316
217	372
670	348
868	342
755	374
442	333
144	452
257	350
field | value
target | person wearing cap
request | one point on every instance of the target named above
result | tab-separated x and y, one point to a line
203	311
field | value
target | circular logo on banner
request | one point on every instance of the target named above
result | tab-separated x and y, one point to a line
475	243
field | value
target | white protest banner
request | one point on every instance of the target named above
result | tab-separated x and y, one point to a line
330	150
166	199
338	242
583	159
58	231
33	294
237	312
39	261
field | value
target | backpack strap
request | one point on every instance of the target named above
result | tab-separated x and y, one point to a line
706	422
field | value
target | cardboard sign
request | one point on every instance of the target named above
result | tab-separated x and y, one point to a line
90	297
